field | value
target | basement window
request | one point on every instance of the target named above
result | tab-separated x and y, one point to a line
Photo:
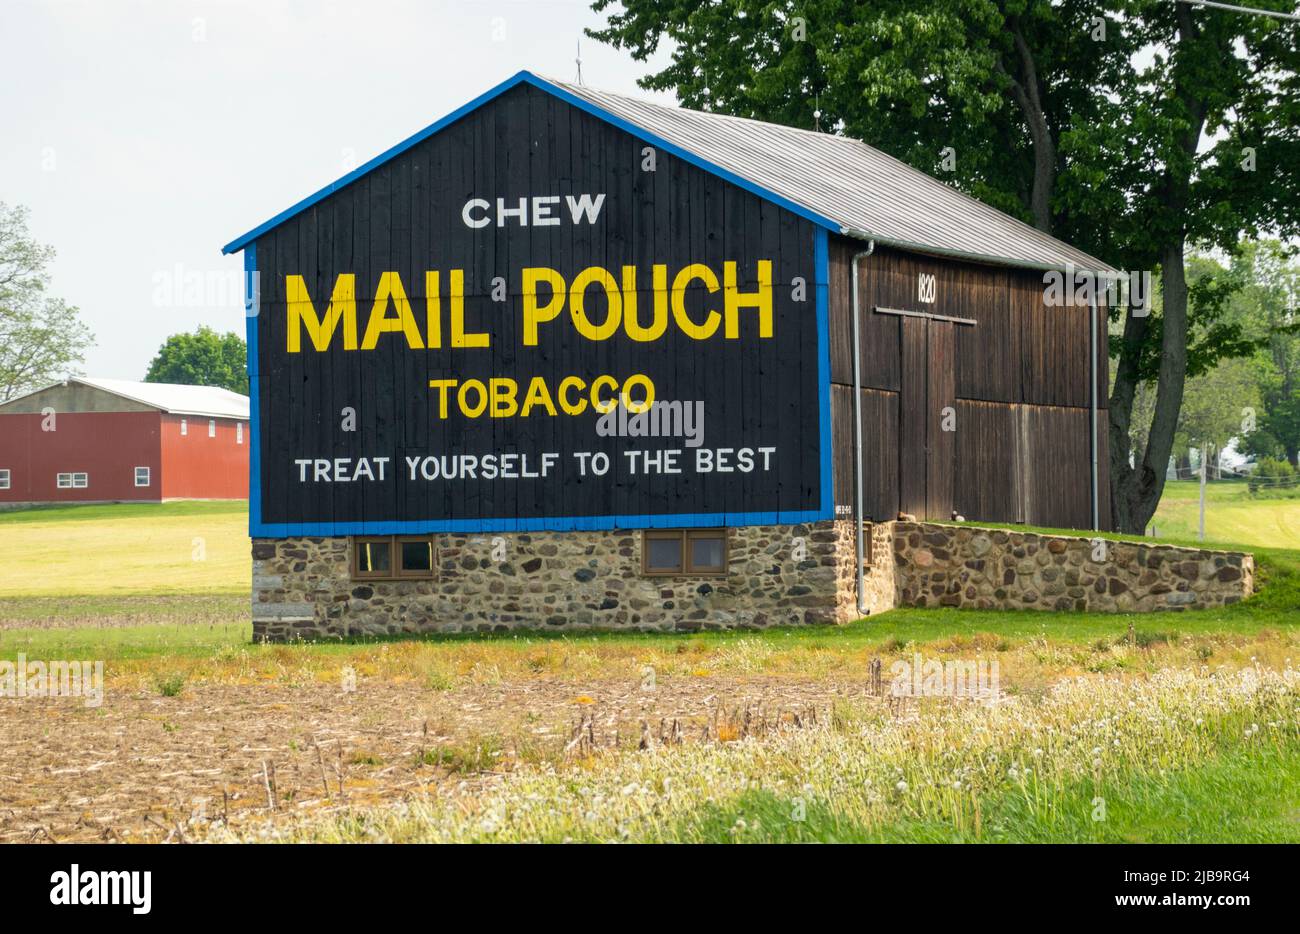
682	552
142	476
4	479
393	557
72	481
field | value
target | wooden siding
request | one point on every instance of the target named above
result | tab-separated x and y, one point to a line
880	443
1017	379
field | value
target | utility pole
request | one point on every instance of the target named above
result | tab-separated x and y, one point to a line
1204	451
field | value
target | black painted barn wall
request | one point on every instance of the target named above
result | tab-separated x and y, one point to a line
406	215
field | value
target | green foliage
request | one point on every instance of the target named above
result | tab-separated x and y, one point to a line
41	337
1267	305
1272	476
204	358
1129	128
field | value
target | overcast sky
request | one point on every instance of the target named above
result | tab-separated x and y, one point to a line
145	135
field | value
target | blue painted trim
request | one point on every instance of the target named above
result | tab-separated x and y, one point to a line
565	524
822	264
251	311
528	77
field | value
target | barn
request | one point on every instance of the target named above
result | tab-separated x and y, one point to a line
566	358
108	440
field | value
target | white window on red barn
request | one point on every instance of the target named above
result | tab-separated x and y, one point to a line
239	432
4	478
212	428
185	427
142	476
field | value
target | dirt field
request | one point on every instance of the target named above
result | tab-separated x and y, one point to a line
147	767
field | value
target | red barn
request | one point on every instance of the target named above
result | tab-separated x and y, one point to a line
111	440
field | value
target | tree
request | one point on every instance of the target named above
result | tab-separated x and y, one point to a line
1269	303
1131	128
1216	406
204	358
41	336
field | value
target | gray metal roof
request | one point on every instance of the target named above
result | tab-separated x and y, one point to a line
871	195
175	398
839	182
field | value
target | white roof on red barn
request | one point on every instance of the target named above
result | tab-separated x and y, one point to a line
840	183
173	398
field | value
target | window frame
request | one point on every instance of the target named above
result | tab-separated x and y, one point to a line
419	575
685	567
239	432
395	571
148	477
185	427
6	478
71	477
212	428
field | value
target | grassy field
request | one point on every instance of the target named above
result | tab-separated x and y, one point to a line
186	547
1231	515
1183	724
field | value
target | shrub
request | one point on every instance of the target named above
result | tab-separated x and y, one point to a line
1271	475
171	685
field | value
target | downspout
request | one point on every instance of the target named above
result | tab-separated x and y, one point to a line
858	505
1092	407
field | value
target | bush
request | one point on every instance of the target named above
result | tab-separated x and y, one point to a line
1270	475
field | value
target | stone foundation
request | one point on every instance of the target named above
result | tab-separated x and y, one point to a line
777	576
964	566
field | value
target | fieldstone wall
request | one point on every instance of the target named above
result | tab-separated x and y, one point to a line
777	575
965	566
880	581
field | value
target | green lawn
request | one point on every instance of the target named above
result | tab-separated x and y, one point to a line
1231	515
137	549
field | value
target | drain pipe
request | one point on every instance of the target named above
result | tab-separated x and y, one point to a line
858	505
1092	396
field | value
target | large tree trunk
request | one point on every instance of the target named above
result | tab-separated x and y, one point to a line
1136	490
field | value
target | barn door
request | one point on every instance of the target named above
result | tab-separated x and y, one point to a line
912	417
927	404
941	419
